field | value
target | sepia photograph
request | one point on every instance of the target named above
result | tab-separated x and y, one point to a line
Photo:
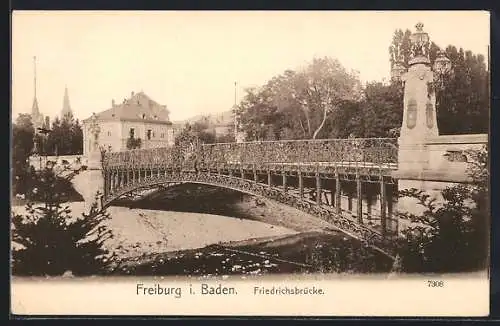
191	160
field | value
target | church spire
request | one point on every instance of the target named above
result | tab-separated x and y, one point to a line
34	109
66	110
36	116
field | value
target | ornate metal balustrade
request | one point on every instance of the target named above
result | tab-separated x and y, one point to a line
362	152
275	170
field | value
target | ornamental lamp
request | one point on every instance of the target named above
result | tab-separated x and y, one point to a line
442	65
419	37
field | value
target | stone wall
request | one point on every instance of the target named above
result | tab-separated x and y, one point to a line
439	158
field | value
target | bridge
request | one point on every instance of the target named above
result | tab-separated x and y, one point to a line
310	175
320	177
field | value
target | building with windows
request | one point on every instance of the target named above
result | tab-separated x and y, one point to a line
138	117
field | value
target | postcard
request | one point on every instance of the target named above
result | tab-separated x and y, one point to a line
250	163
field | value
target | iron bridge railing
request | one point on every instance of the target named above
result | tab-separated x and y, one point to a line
356	151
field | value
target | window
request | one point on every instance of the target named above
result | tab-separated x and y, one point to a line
148	134
132	132
154	135
162	135
144	115
109	133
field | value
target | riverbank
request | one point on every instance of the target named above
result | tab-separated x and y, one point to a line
303	253
140	232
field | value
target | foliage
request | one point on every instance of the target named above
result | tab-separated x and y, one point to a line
45	184
53	242
22	147
226	138
298	104
452	236
378	113
463	101
133	143
195	133
65	138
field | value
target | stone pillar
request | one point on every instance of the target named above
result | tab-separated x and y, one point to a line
419	123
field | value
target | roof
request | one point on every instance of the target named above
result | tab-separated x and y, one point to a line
139	107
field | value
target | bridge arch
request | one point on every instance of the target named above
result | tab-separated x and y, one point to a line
338	222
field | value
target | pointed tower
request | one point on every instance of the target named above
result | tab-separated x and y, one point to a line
66	112
36	116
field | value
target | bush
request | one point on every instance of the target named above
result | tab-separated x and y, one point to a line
53	242
452	236
44	184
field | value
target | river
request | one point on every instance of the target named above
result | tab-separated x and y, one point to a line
199	230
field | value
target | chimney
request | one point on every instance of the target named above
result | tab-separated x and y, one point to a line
132	94
113	103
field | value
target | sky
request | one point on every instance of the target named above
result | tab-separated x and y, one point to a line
190	60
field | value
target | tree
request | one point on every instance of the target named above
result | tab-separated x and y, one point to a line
193	134
462	99
298	104
400	48
65	138
133	143
53	242
382	109
453	236
22	146
76	133
225	138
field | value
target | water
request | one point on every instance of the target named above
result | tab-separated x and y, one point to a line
297	254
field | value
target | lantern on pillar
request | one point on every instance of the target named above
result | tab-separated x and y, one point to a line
442	65
420	44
